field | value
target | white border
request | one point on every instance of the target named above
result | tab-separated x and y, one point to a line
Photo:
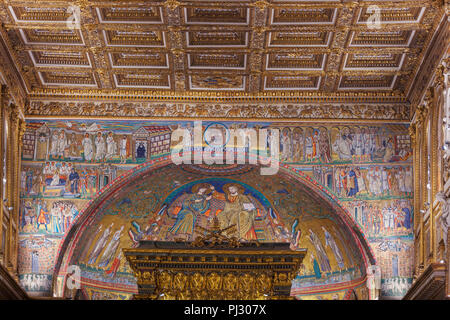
293	88
394	80
419	18
100	18
332	22
138	66
400	65
247	20
220	68
67	84
11	10
325	56
140	86
30	52
244	82
329	35
217	45
78	31
413	32
134	45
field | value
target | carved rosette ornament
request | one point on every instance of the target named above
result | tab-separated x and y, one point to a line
83	5
260	29
261	4
172	4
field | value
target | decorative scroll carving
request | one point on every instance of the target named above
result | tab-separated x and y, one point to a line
173	270
248	111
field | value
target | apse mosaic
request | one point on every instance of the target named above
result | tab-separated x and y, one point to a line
65	163
263	209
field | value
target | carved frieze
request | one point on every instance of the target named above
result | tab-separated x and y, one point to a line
244	271
398	112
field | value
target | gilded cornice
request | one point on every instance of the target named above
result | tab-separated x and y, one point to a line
11	77
422	110
437	47
226	96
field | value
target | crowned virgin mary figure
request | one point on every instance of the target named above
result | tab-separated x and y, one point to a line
193	205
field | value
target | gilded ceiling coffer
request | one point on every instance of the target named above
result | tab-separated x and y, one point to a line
178	270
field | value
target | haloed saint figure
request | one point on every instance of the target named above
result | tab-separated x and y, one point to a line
195	204
239	210
233	208
230	202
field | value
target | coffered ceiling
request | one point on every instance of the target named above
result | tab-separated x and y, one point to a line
230	48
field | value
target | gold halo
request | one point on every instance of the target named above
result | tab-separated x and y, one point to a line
298	130
200	185
240	188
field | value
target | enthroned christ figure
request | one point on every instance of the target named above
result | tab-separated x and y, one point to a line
239	210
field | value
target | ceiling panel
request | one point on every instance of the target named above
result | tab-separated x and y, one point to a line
249	46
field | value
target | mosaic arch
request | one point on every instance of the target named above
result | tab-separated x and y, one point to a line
152	201
365	169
